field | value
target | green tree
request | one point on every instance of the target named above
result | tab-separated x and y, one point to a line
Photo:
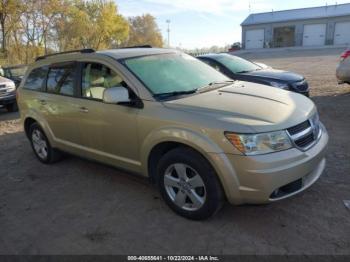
144	31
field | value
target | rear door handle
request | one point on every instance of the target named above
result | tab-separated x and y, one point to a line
83	109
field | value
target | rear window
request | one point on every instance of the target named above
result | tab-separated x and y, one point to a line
61	80
35	79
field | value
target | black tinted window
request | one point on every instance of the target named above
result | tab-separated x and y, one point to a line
36	79
61	80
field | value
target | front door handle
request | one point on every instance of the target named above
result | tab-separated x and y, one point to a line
83	109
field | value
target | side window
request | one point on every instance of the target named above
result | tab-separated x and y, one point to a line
96	78
35	79
60	80
214	65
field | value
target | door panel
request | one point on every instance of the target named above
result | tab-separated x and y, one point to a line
314	35
110	131
62	116
59	103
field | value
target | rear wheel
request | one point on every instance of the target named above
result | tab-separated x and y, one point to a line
41	145
12	107
189	185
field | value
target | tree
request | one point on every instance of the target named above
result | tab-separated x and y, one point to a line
30	28
8	9
94	24
144	31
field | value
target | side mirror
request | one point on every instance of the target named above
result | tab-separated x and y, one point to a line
116	95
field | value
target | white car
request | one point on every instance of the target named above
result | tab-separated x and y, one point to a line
8	94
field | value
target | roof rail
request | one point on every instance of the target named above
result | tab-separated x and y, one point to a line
83	51
137	46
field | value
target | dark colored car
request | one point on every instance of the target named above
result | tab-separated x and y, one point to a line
240	69
15	73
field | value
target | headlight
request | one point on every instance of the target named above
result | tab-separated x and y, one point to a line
257	144
280	85
316	123
315	119
10	86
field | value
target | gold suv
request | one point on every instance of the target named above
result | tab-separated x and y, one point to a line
201	137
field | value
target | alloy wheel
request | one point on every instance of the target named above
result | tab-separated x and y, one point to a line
39	144
185	187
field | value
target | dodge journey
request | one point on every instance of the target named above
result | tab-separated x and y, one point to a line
201	137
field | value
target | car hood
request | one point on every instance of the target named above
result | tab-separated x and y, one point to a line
276	74
4	80
246	108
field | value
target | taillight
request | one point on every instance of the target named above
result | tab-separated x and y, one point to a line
345	55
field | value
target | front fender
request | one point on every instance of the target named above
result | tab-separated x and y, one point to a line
204	145
195	140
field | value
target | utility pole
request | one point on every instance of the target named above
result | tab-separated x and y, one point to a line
168	31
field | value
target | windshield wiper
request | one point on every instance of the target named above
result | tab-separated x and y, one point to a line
245	71
215	85
175	93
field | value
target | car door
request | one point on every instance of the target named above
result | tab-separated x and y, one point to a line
108	131
59	104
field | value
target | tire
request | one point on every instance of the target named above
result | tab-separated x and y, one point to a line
41	145
12	107
189	184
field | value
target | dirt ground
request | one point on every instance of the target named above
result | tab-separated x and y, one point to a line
80	207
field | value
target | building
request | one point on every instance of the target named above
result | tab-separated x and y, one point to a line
316	26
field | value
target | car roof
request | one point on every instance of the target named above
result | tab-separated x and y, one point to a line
121	53
213	55
135	52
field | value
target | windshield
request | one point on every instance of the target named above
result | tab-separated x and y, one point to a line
167	73
16	72
236	64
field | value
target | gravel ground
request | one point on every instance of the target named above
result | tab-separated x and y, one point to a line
80	207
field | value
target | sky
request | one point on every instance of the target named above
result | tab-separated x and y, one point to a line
204	23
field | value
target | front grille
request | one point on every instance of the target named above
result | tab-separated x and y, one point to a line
3	92
305	141
299	128
305	134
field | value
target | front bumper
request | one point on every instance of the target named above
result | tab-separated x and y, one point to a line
7	99
257	179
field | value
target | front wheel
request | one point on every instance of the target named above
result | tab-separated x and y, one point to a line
189	184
